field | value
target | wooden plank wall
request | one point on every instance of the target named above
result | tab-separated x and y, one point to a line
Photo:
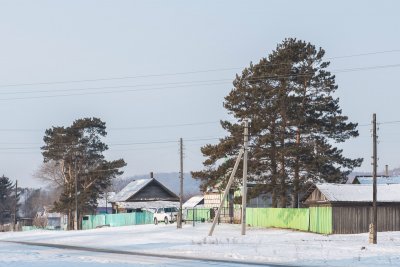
153	192
354	220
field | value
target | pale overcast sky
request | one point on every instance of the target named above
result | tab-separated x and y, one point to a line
51	41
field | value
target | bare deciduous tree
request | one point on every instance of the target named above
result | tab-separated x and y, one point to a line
52	172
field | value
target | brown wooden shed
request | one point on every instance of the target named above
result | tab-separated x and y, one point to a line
351	206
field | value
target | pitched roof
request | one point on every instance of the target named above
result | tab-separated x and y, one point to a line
101	202
148	204
131	189
193	202
359	192
379	180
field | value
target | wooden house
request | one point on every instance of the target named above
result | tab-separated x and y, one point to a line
143	194
350	206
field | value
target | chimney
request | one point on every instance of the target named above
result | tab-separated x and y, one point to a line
151	175
386	170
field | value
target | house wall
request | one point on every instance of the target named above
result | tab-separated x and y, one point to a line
356	219
213	200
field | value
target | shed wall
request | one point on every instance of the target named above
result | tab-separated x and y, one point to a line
356	219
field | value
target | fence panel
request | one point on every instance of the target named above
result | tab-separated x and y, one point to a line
278	217
198	214
321	220
121	219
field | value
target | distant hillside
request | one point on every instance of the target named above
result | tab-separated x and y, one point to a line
170	180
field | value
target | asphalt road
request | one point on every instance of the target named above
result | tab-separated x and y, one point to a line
151	258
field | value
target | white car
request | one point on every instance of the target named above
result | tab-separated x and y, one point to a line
166	215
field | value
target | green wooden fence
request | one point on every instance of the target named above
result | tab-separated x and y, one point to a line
278	217
315	219
321	220
121	219
197	214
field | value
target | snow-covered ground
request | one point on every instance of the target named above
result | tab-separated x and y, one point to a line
259	245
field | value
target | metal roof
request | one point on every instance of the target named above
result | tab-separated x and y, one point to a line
379	180
359	192
147	204
101	202
193	202
129	190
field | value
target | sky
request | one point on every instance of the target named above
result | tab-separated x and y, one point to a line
157	71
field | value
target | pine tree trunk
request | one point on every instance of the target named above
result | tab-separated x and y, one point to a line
274	170
283	186
274	197
283	197
69	219
296	178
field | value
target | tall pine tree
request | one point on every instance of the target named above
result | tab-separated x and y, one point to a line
78	151
295	123
7	200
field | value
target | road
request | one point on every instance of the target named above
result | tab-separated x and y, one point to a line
21	254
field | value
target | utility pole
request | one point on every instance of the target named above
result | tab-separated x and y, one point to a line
242	152
374	188
15	205
228	186
76	198
179	223
244	189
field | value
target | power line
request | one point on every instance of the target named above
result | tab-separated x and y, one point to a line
122	128
178	73
149	142
105	92
118	78
201	84
111	87
127	144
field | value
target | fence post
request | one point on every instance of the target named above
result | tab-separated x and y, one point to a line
193	217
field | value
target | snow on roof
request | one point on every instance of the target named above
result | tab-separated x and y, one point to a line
131	189
193	202
359	192
147	204
379	179
101	202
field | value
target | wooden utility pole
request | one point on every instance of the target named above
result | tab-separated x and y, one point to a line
76	197
228	186
242	152
244	189
15	205
179	223
374	189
